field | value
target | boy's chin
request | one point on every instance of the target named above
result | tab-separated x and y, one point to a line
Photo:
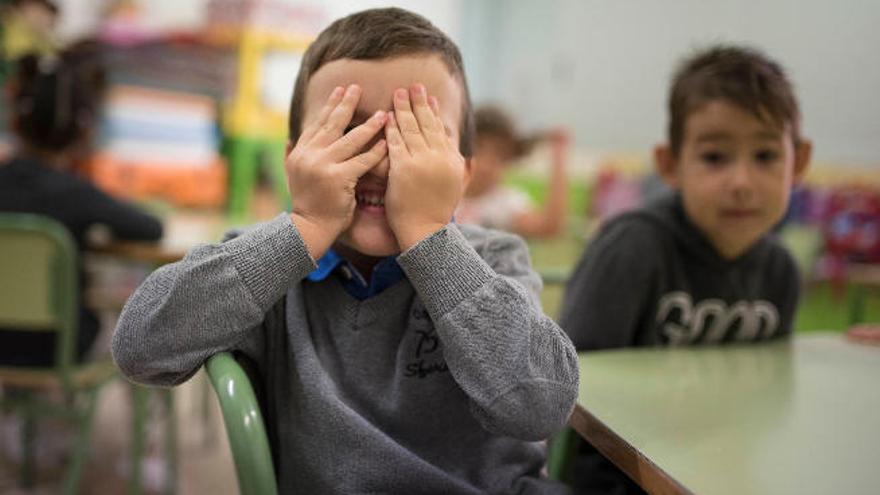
370	242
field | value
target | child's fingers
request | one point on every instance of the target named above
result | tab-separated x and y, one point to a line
407	123
331	103
432	130
396	144
339	117
353	141
360	164
435	106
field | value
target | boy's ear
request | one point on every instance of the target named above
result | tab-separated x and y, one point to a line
288	148
665	165
803	152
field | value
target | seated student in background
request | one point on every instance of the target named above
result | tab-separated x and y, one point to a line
55	104
490	203
399	352
699	266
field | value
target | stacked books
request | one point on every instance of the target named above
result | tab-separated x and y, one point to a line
159	143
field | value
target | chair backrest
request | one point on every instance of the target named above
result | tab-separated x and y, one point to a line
244	426
38	280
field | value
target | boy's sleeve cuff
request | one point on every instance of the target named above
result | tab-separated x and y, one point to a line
445	269
269	257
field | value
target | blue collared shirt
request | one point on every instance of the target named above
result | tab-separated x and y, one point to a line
386	273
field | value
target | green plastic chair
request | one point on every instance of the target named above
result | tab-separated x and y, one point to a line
38	292
244	425
560	452
250	447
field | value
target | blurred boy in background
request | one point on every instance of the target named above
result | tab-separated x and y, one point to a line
699	266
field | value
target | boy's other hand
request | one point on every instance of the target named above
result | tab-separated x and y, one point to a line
426	170
325	165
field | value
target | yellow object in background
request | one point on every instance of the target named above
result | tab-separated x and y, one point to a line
255	120
254	111
29	28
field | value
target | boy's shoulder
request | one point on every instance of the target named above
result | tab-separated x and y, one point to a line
484	238
650	223
639	224
633	243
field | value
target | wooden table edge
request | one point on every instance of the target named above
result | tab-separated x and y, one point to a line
142	251
632	462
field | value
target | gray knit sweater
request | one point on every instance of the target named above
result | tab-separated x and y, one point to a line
442	383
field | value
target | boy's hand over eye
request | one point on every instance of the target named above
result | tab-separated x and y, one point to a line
325	165
426	170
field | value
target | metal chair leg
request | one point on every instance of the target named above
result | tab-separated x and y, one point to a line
80	454
139	398
28	436
170	442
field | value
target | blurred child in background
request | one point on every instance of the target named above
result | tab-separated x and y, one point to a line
55	104
699	266
490	203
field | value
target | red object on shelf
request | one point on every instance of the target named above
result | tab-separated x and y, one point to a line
852	231
181	185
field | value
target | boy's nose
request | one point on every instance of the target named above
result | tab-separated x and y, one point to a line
741	179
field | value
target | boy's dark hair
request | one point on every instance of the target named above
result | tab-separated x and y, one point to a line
56	100
380	34
742	76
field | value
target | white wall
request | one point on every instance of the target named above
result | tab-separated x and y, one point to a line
602	66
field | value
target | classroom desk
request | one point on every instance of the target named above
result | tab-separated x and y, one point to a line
791	417
182	232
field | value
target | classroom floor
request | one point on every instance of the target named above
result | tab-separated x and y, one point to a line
204	466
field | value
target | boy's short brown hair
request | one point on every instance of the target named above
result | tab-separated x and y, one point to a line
377	34
492	122
742	76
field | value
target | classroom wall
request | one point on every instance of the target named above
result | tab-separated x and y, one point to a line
79	17
602	66
82	17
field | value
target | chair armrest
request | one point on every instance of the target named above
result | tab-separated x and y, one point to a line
244	425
